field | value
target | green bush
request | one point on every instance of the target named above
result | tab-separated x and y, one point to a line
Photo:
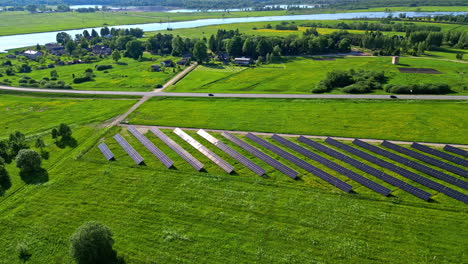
440	88
82	79
103	67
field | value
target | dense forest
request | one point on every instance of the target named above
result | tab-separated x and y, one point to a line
220	4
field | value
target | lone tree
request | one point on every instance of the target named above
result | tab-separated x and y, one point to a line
64	131
92	243
28	160
116	55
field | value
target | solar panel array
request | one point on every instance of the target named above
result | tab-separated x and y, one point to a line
205	151
151	147
440	154
234	154
332	165
457	151
426	159
261	155
415	165
368	169
129	149
106	151
403	172
301	163
178	149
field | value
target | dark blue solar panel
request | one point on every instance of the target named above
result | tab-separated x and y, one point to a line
259	154
129	149
151	147
403	172
342	170
415	165
368	169
457	151
440	154
106	151
426	159
301	163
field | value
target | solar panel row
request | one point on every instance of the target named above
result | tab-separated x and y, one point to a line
129	149
403	172
259	154
426	159
234	154
301	163
106	151
332	165
457	151
368	169
205	151
417	166
440	154
178	149
151	147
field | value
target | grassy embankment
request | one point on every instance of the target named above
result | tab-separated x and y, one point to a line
23	22
127	75
300	75
176	216
431	121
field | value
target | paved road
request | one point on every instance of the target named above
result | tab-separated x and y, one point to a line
303	96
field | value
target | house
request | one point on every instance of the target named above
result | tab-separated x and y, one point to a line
32	54
50	66
187	56
101	50
223	56
167	63
55	49
155	68
183	62
243	61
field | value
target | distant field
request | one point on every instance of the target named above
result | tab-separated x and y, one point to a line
33	115
134	76
300	75
431	121
23	22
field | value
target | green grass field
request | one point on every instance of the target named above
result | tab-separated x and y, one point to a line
180	216
128	75
33	115
431	121
300	75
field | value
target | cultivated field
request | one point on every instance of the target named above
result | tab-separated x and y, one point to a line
301	75
431	121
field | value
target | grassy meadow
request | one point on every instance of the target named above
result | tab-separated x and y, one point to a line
301	74
181	216
430	121
127	75
32	115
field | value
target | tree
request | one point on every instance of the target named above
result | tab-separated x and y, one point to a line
116	55
344	45
459	56
212	44
105	31
23	252
62	38
64	130
38	47
31	8
39	143
248	49
53	74
234	46
134	49
200	51
94	34
178	46
28	160
70	46
277	51
263	47
86	34
55	133
92	243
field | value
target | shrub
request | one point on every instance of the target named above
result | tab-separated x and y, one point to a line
418	89
28	160
92	243
358	88
103	67
89	70
158	85
82	79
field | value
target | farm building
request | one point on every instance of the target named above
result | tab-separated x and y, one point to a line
167	63
155	68
243	61
32	54
55	49
183	62
101	50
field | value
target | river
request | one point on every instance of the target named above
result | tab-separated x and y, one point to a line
25	40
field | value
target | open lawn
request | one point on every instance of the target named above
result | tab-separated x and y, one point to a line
430	121
33	115
300	75
127	75
180	216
